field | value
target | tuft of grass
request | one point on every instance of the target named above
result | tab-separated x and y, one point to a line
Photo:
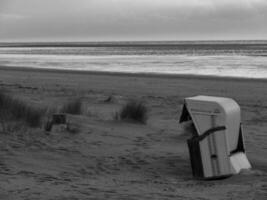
48	126
73	107
133	110
13	109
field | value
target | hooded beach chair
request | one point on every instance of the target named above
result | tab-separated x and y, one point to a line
217	148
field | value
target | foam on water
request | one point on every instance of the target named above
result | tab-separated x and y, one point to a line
219	59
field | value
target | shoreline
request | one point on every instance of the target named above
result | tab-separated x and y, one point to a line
128	74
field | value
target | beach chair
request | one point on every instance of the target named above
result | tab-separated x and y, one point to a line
217	148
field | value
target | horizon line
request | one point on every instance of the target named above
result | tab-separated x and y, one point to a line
151	42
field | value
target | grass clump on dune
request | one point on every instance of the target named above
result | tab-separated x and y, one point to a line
133	110
73	107
13	109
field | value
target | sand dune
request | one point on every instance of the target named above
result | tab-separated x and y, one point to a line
109	159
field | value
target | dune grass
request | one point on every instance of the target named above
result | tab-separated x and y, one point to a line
133	110
13	109
73	107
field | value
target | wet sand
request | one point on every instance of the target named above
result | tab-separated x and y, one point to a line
108	159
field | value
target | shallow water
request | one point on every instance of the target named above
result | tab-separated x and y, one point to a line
233	59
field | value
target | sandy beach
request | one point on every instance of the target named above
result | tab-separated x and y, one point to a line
109	159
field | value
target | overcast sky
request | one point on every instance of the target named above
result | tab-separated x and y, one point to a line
98	20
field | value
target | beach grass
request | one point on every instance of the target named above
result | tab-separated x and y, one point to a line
73	107
133	110
13	109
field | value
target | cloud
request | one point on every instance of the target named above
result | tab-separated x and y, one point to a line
133	19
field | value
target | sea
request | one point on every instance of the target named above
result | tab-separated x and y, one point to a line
247	59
